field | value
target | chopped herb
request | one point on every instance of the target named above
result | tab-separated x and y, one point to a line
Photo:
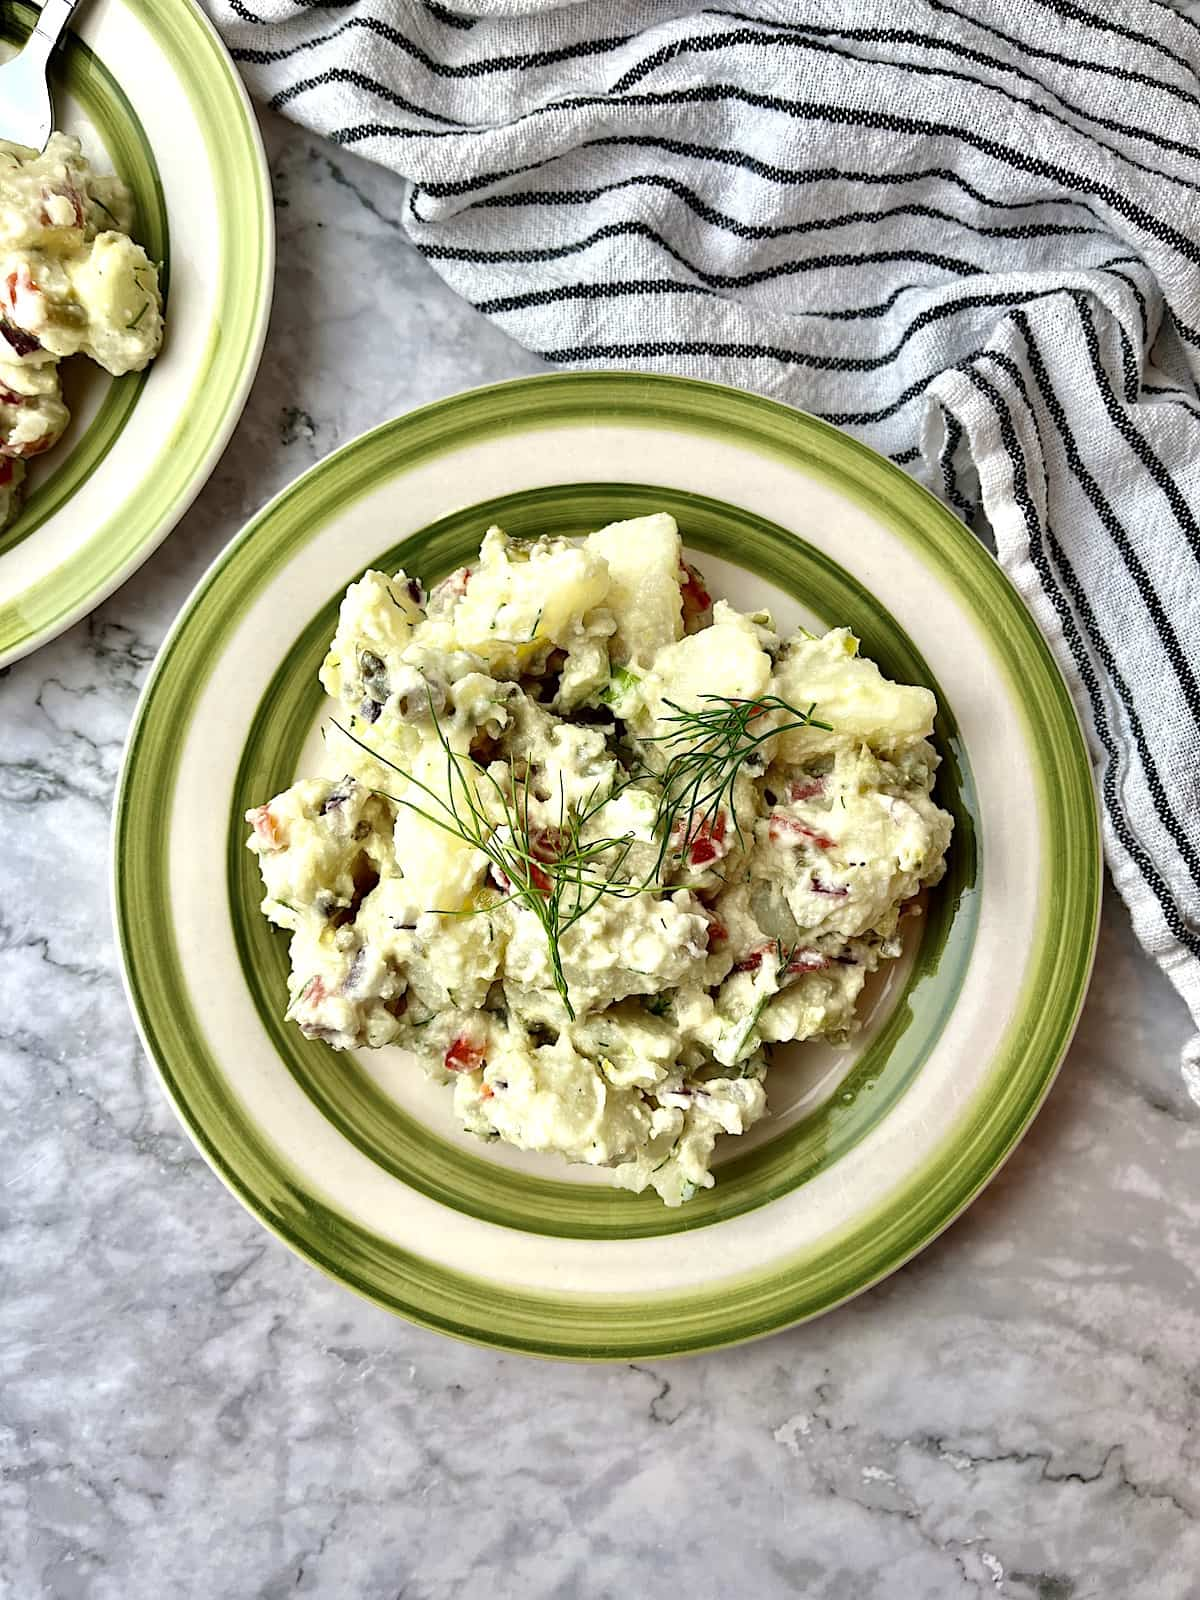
711	746
618	686
668	1155
560	886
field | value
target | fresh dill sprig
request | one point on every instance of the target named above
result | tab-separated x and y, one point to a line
557	874
714	743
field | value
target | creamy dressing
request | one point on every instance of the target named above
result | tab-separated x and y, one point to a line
72	282
511	877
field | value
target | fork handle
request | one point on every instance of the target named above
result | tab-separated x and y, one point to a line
48	29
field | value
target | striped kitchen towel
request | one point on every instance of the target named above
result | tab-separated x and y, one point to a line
968	232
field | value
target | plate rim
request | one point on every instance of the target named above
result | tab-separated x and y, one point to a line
251	358
630	1346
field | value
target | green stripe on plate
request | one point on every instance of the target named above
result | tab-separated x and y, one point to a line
242	296
599	1325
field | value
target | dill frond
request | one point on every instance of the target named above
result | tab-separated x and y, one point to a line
714	742
558	880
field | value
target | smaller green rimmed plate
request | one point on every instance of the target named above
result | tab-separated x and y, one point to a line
870	1149
149	89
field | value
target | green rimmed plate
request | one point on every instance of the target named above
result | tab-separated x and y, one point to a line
869	1151
151	92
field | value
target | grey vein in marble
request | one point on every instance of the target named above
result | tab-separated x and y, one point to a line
188	1410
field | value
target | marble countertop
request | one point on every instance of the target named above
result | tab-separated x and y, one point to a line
188	1410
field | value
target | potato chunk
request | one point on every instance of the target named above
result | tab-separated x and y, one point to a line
643	557
522	599
851	694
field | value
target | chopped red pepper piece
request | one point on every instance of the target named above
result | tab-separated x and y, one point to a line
697	602
798	961
545	844
266	826
32	447
779	828
464	1055
752	962
706	843
452	587
695	594
20	282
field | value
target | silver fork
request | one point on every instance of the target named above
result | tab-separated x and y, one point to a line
26	110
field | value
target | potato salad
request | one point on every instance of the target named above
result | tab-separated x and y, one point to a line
594	844
72	282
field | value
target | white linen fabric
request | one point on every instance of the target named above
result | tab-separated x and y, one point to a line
968	233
